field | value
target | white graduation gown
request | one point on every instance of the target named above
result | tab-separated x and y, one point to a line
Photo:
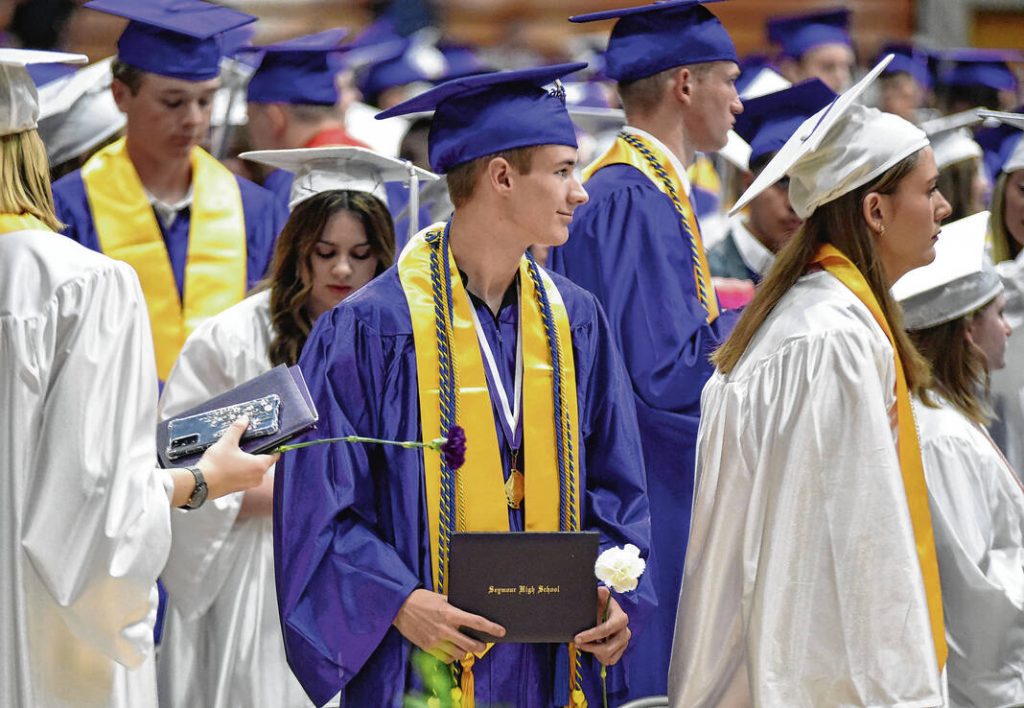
1008	383
84	517
802	585
222	644
977	508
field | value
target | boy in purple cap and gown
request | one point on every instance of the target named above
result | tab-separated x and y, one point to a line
637	246
815	45
293	100
198	236
532	375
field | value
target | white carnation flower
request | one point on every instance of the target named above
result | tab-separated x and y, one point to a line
620	568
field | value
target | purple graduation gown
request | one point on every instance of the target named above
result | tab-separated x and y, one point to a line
264	218
627	247
350	521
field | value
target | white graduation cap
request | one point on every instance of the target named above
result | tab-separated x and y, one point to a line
959	281
1016	159
843	146
77	112
950	138
736	151
320	169
765	82
19	100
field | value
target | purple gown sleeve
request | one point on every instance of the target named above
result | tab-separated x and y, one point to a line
340	582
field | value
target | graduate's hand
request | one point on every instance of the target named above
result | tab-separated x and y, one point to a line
427	620
227	468
609	639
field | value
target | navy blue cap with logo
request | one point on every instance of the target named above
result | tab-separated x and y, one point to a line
298	71
658	36
176	38
484	114
768	121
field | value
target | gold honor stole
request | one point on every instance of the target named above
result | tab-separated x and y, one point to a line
215	274
480	479
835	262
622	153
10	223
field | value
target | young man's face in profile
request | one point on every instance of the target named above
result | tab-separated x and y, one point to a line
546	196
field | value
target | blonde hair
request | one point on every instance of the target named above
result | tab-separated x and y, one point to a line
841	223
1004	246
25	178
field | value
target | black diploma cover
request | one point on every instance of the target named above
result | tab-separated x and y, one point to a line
539	586
297	414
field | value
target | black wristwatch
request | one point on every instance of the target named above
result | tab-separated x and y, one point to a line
198	497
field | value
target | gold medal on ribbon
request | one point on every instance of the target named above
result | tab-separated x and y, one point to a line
515	488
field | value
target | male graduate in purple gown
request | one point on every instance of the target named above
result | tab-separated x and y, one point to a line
197	236
637	246
464	330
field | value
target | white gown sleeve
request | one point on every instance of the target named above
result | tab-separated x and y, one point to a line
978	517
802	585
212	361
96	526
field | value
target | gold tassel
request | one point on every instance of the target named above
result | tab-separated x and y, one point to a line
466	689
577	699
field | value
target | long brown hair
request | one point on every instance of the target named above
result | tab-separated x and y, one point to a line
290	279
959	368
25	178
841	223
1004	245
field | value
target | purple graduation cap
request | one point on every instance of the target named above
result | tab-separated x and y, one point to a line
399	63
768	121
662	35
298	71
176	38
907	59
999	143
980	67
483	114
798	34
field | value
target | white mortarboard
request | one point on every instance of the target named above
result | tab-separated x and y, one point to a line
766	81
77	112
951	140
842	147
19	100
320	169
959	281
1015	160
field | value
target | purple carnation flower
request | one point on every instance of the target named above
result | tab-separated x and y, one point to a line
454	448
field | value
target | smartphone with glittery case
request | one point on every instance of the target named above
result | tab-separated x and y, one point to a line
194	433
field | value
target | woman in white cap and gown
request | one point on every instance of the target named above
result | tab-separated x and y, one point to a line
222	643
953	309
1005	159
84	514
811	577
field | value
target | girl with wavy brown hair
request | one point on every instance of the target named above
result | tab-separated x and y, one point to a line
811	564
220	576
